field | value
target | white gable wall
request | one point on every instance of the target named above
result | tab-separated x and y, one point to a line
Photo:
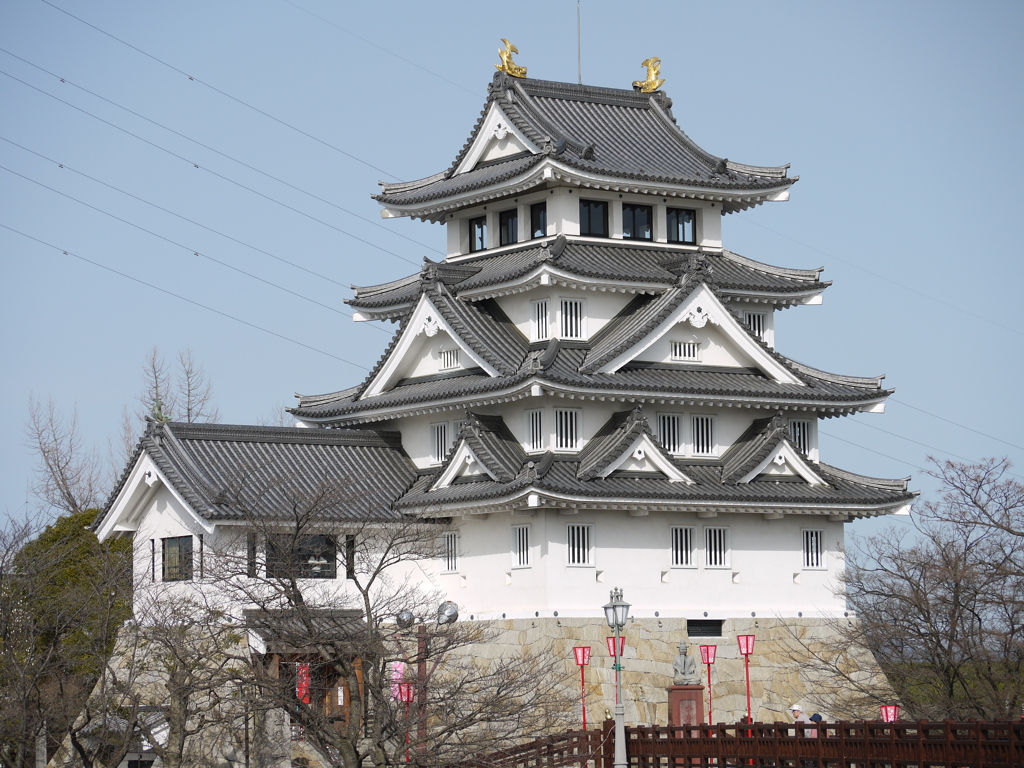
716	347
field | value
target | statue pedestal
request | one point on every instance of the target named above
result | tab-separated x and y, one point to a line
686	705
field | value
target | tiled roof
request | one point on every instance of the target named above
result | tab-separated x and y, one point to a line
674	381
494	445
603	131
611	441
228	472
618	260
858	496
753	447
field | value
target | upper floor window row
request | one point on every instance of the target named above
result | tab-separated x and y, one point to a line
597	218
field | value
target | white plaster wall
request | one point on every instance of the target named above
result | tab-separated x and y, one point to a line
765	576
600	307
424	356
716	348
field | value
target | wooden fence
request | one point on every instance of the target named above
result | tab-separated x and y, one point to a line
781	745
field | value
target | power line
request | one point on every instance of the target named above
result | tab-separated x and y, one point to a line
377	224
937	300
211	172
218	90
183	298
957	424
66	167
872	450
175	243
382	48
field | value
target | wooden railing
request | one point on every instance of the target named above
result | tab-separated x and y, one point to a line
796	745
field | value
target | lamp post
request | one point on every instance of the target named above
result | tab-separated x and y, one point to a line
890	713
616	612
406	693
746	648
707	657
582	655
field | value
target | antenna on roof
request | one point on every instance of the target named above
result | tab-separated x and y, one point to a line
579	65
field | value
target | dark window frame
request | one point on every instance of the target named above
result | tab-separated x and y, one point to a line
632	209
508	227
539	219
288	556
673	230
177	554
477	234
588	208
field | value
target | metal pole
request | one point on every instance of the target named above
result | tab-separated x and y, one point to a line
711	714
583	695
579	59
746	669
620	710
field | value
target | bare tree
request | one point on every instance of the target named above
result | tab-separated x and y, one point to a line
325	588
69	476
941	610
182	393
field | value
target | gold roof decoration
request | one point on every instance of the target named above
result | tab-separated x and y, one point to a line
508	66
652	83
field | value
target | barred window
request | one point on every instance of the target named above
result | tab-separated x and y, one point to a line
449	359
670	431
521	546
536	440
567	429
716	547
800	434
539	321
688	351
703	428
572	319
682	547
439	444
177	552
756	322
451	552
579	545
814	549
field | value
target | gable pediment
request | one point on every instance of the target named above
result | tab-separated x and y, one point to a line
424	338
701	316
463	463
783	462
644	455
497	138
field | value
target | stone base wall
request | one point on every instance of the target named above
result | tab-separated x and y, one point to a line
781	672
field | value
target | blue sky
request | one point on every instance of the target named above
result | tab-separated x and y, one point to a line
902	120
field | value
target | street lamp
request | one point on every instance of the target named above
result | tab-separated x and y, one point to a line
616	612
582	655
707	656
746	648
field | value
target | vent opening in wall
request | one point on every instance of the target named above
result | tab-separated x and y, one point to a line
686	351
704	627
449	359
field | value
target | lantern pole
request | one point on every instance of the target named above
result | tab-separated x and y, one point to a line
582	655
746	643
707	655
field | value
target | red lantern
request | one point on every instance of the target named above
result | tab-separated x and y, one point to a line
890	713
302	682
746	648
746	644
611	647
406	692
707	654
582	654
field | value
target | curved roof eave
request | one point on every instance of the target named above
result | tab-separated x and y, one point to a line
551	171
